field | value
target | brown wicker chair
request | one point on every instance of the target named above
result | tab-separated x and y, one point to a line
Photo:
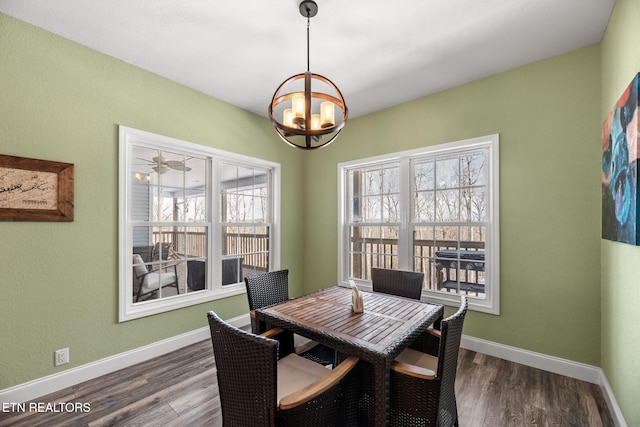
397	282
272	288
256	389
423	377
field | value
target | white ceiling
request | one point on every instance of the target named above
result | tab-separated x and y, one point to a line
378	52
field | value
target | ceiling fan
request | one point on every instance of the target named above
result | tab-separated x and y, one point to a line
161	164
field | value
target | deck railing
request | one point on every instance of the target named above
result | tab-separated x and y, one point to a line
370	253
254	249
366	253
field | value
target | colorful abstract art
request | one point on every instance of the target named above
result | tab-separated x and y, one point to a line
620	149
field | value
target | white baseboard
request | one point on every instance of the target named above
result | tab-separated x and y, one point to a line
612	403
45	385
580	371
553	364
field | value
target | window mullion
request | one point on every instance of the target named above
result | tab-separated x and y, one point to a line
404	236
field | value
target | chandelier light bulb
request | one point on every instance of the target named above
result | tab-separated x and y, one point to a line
287	117
327	114
315	121
297	105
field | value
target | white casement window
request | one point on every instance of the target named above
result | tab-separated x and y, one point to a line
432	210
194	221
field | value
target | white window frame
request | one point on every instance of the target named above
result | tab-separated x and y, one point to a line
213	288
491	302
248	224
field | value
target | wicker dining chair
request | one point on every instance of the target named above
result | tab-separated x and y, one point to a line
270	288
397	282
263	290
423	377
260	387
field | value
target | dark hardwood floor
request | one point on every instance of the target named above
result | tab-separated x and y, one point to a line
179	389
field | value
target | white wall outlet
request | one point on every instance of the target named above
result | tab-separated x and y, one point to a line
62	356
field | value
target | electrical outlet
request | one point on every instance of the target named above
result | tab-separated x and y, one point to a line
62	356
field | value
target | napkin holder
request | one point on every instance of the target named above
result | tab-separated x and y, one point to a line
357	302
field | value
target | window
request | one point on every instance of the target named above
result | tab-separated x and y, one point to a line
432	210
245	221
193	222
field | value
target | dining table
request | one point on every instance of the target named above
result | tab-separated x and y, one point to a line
387	325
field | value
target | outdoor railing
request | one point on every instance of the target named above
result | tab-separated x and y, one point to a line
370	253
366	253
254	249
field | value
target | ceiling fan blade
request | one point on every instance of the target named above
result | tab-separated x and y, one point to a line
146	160
163	165
174	164
161	169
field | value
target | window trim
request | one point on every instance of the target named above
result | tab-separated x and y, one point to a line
491	302
213	289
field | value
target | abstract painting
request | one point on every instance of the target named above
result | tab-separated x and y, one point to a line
620	149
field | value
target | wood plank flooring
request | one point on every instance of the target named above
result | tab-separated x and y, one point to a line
179	389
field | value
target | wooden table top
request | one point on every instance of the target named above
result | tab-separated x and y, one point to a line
385	320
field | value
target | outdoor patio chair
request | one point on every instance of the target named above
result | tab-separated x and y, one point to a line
397	282
423	377
147	282
260	385
272	288
263	290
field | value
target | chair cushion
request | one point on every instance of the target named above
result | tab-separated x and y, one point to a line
140	268
418	358
295	372
302	344
156	280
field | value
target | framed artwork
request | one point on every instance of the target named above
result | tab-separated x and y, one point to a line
35	190
620	149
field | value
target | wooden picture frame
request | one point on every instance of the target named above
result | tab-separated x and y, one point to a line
35	190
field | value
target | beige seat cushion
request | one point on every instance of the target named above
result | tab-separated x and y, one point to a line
302	344
295	372
418	358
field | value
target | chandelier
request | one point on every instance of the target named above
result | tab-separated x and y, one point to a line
310	108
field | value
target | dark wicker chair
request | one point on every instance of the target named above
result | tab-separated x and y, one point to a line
397	282
272	288
263	290
254	393
423	377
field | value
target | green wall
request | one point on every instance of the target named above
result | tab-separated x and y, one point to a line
62	101
547	115
621	263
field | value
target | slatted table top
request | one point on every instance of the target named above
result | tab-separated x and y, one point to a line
385	320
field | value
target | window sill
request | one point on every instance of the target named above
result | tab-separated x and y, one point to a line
147	308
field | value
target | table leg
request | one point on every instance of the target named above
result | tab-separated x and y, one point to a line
381	390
